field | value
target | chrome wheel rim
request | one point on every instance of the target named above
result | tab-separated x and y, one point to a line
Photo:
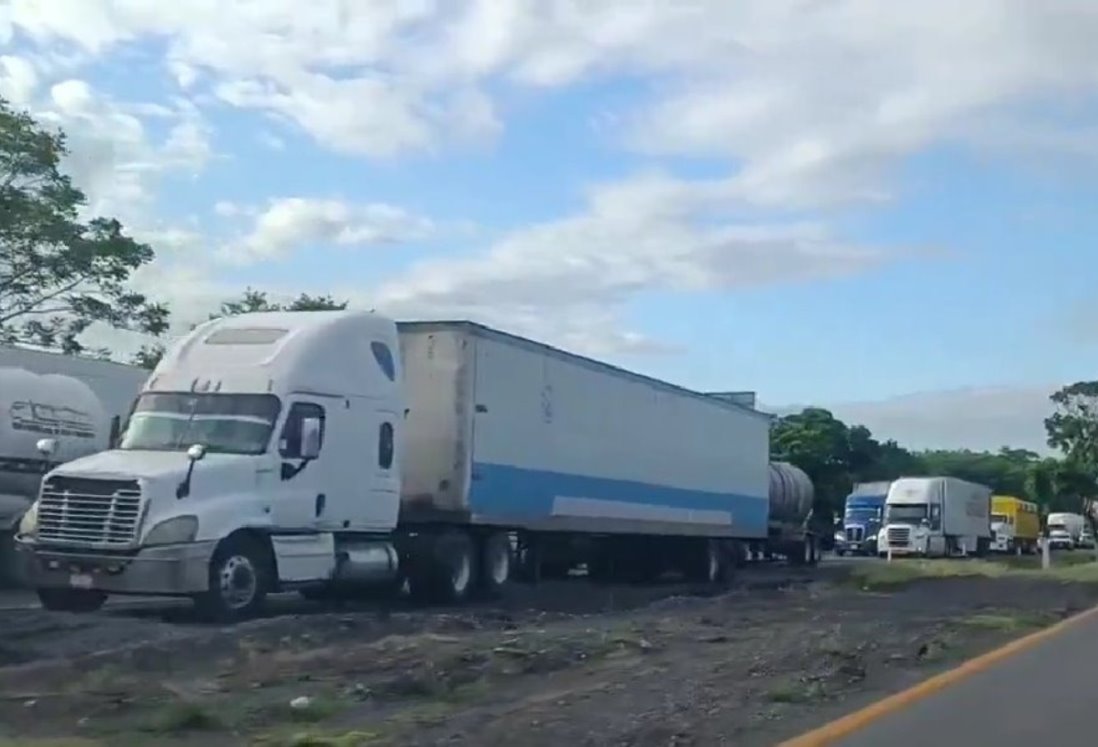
238	582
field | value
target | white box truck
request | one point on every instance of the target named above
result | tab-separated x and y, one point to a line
936	517
325	451
1065	530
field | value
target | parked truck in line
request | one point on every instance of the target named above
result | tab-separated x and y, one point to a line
792	531
861	522
1066	530
1015	524
329	451
33	407
936	517
116	385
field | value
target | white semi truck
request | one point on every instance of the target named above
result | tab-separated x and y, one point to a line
1066	530
326	451
936	517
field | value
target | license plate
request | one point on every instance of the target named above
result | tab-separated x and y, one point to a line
80	581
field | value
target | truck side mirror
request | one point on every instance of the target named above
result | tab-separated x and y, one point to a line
311	433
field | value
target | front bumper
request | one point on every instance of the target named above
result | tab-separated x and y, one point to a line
170	570
901	550
867	547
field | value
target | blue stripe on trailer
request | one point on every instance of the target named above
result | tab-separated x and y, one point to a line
506	491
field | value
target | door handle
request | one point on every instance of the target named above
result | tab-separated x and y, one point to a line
321	499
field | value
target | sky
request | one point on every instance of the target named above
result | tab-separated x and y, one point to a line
872	206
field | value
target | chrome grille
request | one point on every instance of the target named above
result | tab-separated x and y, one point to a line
899	535
83	511
854	534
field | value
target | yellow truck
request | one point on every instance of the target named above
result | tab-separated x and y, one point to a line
1015	524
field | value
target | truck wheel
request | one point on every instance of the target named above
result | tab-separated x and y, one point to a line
454	569
9	560
709	563
238	583
71	600
495	563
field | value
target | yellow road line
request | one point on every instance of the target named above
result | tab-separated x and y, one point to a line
830	733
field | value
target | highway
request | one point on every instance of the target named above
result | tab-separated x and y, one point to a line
1043	693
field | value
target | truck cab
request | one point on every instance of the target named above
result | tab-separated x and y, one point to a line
861	522
1002	532
260	455
936	516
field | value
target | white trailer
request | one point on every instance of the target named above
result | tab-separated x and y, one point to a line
116	385
321	451
936	516
35	407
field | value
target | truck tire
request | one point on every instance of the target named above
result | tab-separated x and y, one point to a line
240	577
709	564
9	561
71	600
453	570
496	560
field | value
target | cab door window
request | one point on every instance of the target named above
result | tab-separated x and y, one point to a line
385	446
289	443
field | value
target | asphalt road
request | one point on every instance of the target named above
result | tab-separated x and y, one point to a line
1044	694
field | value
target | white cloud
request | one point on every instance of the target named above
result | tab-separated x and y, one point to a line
289	223
651	233
18	79
112	156
982	418
810	105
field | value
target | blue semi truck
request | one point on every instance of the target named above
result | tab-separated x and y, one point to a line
856	532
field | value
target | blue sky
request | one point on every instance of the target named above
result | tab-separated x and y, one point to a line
670	188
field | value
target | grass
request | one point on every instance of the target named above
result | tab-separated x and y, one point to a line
305	739
1074	567
48	742
798	692
182	717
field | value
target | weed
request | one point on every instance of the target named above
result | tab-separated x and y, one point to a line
183	716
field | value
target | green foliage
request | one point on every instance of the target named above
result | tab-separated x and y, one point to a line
1073	429
59	273
251	301
254	300
836	455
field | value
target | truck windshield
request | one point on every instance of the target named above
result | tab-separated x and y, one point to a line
223	423
861	514
999	519
905	512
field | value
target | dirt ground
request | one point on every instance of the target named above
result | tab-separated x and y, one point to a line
568	664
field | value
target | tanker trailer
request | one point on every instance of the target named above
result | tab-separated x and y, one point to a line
791	532
34	407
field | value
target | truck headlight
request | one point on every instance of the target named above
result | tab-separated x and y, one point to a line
28	525
174	531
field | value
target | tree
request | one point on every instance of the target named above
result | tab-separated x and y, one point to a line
818	443
1073	429
251	301
60	274
1005	472
254	300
